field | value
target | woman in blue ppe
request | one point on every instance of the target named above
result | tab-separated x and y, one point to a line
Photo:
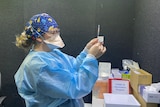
48	77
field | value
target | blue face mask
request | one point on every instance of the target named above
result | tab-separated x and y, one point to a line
51	46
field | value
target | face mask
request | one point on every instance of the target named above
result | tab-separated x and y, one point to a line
55	41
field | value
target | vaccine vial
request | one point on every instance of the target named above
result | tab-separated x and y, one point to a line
101	39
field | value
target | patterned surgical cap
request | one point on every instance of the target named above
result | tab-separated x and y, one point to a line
39	24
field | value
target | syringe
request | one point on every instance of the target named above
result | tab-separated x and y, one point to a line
98	30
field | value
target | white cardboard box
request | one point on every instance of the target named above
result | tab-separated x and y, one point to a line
151	97
120	100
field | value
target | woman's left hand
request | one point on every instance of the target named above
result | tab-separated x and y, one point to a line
91	43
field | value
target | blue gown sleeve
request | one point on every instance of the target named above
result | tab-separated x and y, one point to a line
66	81
80	57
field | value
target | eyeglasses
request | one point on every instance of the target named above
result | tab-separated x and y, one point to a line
57	31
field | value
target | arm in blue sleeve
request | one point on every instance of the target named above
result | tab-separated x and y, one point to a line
62	83
81	56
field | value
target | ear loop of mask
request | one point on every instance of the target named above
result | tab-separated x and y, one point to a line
32	48
37	32
41	38
49	45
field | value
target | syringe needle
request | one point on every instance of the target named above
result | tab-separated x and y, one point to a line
98	30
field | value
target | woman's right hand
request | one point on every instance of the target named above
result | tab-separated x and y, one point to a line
97	50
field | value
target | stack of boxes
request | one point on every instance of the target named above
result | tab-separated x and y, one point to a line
102	95
137	78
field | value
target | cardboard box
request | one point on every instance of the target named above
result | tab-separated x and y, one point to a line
120	100
142	101
151	97
140	77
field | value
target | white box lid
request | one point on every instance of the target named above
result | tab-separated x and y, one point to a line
123	100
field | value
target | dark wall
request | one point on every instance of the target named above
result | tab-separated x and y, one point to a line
78	22
147	36
11	20
116	18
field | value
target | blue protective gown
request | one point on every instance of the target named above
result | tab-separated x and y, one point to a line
55	79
